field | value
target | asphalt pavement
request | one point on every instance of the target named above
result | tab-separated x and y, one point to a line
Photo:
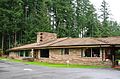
10	70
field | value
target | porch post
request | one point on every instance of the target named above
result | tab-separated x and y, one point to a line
91	51
38	54
83	52
24	54
101	53
18	54
32	53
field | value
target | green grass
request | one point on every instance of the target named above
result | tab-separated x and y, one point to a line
11	60
54	65
64	65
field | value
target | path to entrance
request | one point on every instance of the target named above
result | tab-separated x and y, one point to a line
10	70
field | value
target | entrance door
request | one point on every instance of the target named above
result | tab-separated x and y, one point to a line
44	53
35	54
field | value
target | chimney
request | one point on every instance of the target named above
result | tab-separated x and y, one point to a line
45	37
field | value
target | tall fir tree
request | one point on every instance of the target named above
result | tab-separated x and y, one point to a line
10	16
61	12
85	19
105	16
37	19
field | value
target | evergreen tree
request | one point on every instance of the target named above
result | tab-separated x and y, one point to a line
115	28
20	20
85	19
61	11
10	16
105	29
37	19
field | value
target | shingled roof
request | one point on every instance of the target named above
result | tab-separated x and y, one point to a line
78	41
71	42
36	45
110	40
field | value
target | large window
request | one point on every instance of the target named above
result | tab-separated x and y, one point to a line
44	53
24	53
27	53
92	52
21	53
65	51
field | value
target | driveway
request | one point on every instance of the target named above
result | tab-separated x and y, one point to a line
10	70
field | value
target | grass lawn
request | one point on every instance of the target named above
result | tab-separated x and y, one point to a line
54	65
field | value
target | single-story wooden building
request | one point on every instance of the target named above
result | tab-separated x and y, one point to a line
84	51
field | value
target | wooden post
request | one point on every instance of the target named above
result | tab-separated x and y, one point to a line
32	51
24	54
83	52
38	54
91	51
101	53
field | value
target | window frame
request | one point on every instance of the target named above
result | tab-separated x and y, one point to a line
91	53
65	51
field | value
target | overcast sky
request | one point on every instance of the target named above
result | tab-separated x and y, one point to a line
114	7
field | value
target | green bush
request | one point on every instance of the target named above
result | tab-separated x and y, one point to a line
118	52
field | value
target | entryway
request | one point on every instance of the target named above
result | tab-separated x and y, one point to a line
44	53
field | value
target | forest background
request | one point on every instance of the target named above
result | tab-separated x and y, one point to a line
20	20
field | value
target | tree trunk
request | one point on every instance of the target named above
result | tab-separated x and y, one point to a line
21	37
2	42
9	41
15	40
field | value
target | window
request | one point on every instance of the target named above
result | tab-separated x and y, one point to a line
92	52
95	52
88	52
65	51
27	53
21	53
24	53
44	53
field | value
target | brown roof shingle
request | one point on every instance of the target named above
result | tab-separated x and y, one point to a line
71	42
78	41
110	40
36	45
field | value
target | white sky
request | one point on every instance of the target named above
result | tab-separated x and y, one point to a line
114	8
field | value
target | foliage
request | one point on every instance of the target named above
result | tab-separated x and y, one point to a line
118	52
21	19
105	15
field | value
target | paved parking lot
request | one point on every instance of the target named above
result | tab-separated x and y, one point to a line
10	70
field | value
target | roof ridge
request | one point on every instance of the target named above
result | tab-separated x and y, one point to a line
58	41
101	40
24	45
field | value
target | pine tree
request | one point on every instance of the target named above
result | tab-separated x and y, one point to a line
86	19
105	29
61	14
10	16
37	19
